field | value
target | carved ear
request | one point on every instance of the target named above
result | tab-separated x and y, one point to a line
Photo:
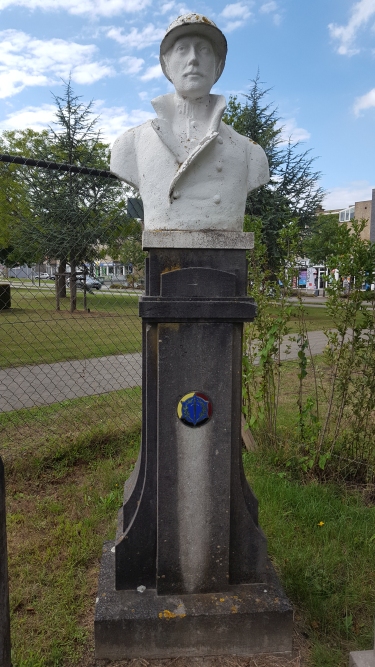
219	64
166	68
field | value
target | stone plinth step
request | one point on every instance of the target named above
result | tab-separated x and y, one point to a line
362	659
248	619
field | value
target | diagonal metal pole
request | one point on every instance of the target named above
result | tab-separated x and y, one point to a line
59	166
5	660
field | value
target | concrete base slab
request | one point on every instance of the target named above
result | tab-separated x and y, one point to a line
362	659
248	619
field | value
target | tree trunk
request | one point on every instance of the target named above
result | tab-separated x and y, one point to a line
60	280
73	286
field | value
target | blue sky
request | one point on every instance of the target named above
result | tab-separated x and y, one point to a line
318	57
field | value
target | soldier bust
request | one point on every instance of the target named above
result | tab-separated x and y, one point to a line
192	170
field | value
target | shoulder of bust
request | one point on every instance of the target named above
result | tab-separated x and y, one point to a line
258	171
124	154
129	137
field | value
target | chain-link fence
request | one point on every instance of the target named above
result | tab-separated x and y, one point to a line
70	278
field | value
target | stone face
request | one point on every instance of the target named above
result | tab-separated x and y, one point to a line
246	620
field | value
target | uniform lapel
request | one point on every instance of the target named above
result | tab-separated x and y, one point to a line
165	108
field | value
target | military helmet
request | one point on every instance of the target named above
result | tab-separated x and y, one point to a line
195	24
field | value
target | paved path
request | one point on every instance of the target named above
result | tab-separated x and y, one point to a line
43	384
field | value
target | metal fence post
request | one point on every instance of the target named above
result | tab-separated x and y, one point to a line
4	590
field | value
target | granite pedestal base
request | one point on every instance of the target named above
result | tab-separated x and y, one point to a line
246	619
362	659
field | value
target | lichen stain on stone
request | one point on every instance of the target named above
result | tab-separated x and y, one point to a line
168	269
169	326
170	614
234	609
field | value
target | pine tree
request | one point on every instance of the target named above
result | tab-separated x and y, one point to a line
293	192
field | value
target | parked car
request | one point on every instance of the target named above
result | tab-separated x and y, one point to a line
91	283
42	276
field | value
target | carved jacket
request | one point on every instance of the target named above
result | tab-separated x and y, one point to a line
206	189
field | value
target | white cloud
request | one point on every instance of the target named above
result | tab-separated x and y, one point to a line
361	13
116	120
167	7
237	10
38	118
173	8
236	15
291	130
271	8
112	121
233	25
25	61
346	195
131	65
364	102
268	7
137	39
90	72
81	7
154	72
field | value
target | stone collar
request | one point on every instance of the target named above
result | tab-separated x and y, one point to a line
165	107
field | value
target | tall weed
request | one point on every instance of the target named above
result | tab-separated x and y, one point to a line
332	425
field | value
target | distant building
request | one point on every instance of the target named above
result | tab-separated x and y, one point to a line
361	210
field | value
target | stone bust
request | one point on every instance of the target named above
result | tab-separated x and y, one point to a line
192	170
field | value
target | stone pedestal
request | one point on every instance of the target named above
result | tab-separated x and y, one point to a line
188	530
362	659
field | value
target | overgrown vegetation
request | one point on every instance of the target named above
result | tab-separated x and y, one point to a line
331	429
322	541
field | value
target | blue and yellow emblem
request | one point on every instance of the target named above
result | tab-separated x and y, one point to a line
194	409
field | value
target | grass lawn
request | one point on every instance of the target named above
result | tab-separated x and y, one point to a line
317	318
66	465
322	541
33	332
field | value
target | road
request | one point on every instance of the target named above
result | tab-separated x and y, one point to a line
44	384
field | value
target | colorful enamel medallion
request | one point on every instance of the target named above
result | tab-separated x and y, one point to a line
194	409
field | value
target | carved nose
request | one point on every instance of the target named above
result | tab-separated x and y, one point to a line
193	59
